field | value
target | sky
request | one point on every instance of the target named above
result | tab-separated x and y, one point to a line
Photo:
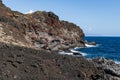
95	17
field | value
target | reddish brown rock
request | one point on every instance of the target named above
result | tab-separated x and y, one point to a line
41	24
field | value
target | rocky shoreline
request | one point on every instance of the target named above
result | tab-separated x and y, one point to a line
20	63
29	46
110	68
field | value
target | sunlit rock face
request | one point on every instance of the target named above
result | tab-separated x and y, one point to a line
39	29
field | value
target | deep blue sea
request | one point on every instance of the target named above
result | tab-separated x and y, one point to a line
107	47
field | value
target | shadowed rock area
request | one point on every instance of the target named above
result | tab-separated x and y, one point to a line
20	63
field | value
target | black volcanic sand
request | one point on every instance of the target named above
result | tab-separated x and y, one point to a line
20	63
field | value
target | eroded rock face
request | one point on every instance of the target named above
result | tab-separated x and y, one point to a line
41	26
8	36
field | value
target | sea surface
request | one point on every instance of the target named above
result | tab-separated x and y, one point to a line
107	47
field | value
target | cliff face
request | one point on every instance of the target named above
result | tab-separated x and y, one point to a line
39	29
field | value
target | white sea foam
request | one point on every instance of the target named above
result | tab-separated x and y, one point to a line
74	51
117	62
83	54
88	45
78	47
64	53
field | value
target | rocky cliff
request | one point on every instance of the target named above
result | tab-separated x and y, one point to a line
39	29
21	33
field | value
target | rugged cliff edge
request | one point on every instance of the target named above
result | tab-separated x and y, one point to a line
28	45
40	29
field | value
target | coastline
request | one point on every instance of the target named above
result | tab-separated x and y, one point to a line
26	63
53	65
30	45
110	67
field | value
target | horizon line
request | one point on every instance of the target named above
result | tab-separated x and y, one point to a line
102	35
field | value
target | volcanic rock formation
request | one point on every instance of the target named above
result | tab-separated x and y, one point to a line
39	29
21	34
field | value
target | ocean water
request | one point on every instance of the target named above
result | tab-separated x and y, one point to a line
107	47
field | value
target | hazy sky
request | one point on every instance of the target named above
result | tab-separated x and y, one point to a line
95	17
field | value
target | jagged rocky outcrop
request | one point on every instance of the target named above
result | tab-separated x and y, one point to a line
111	69
41	29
